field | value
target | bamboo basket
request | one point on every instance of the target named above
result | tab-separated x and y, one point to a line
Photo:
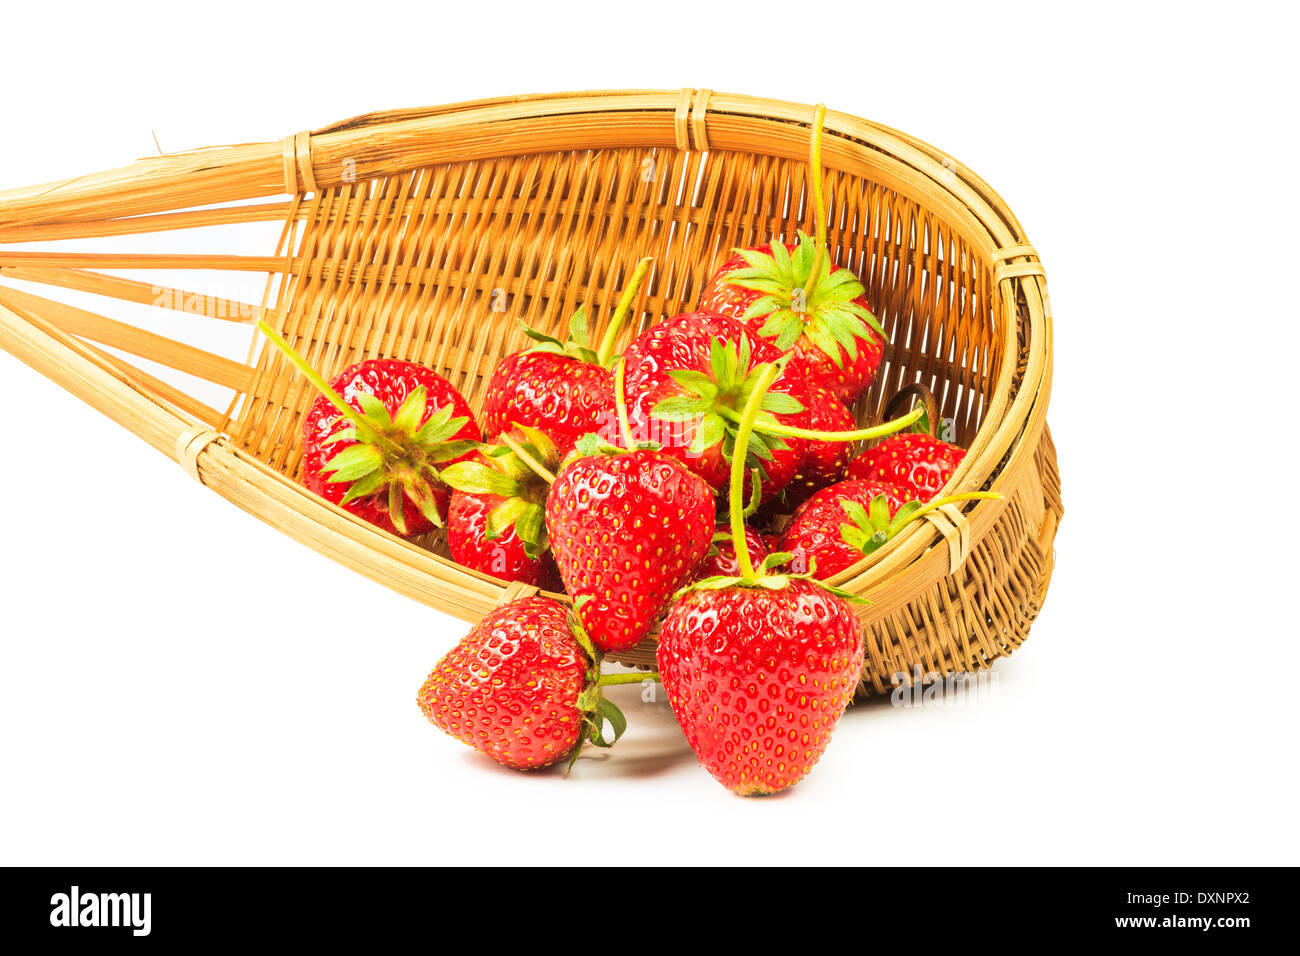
426	234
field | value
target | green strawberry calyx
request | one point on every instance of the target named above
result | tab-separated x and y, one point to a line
395	454
518	468
578	345
871	527
762	578
801	295
712	401
751	577
598	710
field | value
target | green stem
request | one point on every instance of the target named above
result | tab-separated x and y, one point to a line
522	453
819	200
953	499
737	489
620	404
606	350
607	680
364	428
322	386
861	434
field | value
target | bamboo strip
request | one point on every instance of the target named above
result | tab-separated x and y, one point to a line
128	338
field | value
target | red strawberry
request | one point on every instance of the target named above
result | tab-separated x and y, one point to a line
919	463
497	521
830	327
758	667
814	536
381	459
520	687
840	524
563	388
792	295
759	677
686	381
823	461
554	393
627	531
721	560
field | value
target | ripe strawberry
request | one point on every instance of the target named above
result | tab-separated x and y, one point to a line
828	325
627	530
383	464
758	677
823	461
521	687
758	667
397	424
919	463
792	295
721	560
815	536
563	388
686	381
497	521
555	393
838	525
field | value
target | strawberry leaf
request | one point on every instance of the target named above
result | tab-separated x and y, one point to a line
374	409
476	479
410	412
353	462
397	507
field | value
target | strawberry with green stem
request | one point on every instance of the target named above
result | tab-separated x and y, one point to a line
916	460
792	295
524	687
686	375
376	439
497	523
839	525
758	666
563	388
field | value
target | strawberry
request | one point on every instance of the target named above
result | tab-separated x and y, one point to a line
830	326
522	687
791	295
758	667
836	527
823	461
814	533
721	560
562	388
758	677
921	464
497	521
415	423
627	530
686	380
375	440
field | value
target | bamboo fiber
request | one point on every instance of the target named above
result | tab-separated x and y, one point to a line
427	234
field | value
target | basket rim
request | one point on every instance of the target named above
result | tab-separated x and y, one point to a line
514	125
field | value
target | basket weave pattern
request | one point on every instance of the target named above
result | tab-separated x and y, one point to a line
427	235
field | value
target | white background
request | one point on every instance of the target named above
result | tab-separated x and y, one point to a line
181	684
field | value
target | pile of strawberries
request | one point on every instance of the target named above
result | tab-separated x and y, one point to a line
650	486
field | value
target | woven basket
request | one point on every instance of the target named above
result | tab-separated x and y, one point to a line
425	234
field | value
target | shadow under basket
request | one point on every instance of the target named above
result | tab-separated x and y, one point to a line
428	234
